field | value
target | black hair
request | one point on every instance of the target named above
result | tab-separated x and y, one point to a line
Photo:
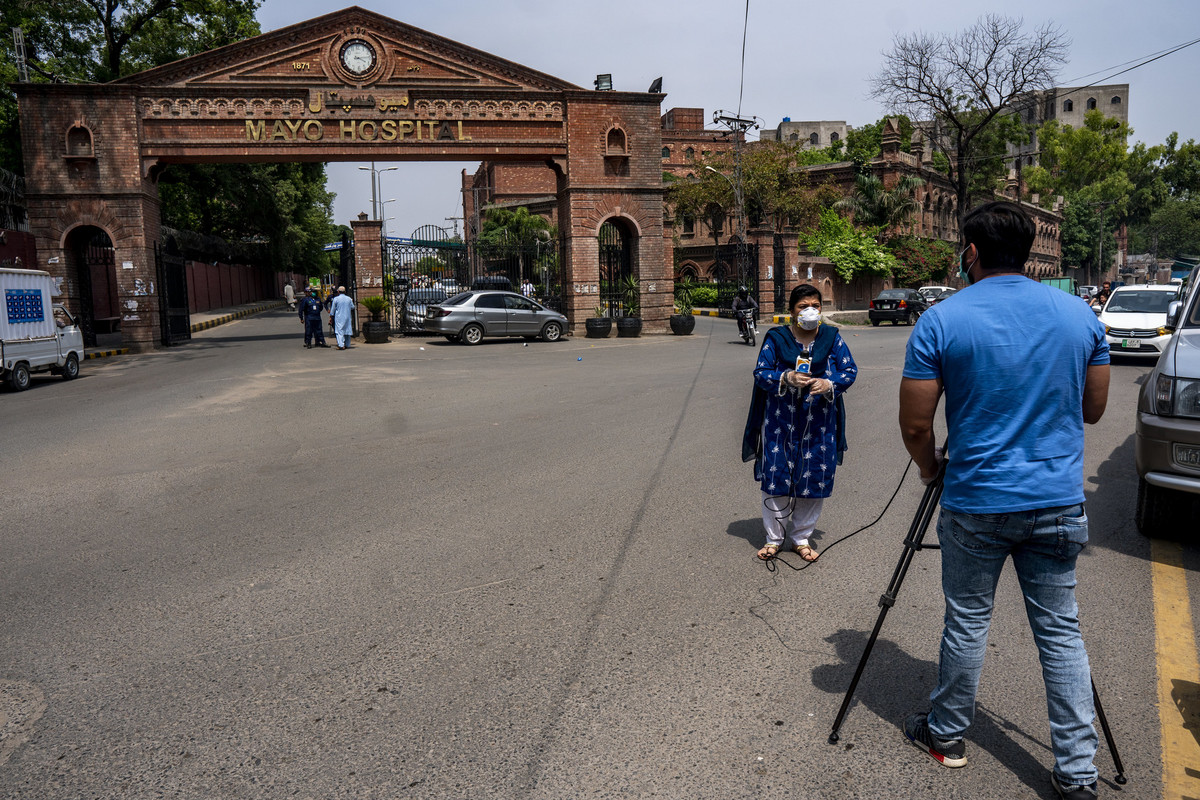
1002	233
802	291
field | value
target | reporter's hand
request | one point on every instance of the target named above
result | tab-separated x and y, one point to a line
795	379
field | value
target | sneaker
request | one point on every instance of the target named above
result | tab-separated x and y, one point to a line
1073	791
947	752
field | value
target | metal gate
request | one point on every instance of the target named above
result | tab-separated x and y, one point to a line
174	317
779	255
734	266
616	265
421	272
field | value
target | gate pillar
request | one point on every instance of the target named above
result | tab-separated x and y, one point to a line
83	168
368	255
614	169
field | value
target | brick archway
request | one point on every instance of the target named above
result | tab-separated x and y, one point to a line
348	86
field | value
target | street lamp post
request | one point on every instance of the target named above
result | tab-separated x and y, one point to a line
376	187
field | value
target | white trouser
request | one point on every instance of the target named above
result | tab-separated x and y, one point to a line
793	517
343	339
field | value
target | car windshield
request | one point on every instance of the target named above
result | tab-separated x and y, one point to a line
1139	302
458	299
893	294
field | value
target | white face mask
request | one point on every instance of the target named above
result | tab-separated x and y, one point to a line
810	318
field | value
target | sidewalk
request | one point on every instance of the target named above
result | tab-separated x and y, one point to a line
109	344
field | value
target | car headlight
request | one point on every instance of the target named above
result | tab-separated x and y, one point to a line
1177	397
1163	331
1187	397
1107	331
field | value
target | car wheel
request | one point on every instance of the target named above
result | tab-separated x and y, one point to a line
472	334
875	322
551	332
18	377
912	317
70	370
1156	510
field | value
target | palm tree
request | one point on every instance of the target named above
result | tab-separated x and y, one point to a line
873	205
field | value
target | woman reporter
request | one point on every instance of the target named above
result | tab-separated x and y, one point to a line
796	428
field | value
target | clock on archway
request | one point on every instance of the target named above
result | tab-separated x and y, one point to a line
358	57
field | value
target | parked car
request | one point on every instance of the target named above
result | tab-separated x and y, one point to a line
897	305
1167	431
415	305
470	316
930	292
1135	319
943	296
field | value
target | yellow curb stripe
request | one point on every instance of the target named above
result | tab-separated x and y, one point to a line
105	353
1178	672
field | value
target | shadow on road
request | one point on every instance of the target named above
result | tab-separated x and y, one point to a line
894	685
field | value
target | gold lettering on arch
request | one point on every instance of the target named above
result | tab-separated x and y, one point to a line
350	130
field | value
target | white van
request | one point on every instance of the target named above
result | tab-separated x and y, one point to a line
36	335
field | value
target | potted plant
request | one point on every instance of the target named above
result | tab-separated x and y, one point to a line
600	325
683	322
629	324
376	331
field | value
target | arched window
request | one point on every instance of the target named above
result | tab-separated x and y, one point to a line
616	142
1068	105
79	141
1116	101
833	137
1091	103
689	153
795	137
666	152
814	139
1029	161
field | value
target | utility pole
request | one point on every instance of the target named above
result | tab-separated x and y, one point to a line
455	220
739	125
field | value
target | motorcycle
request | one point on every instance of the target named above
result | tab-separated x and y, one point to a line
745	318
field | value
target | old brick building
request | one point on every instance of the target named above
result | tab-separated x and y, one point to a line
348	86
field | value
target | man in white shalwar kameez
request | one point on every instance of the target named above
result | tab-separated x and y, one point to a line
289	294
342	310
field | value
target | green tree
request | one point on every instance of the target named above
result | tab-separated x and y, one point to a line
873	205
514	227
962	82
853	251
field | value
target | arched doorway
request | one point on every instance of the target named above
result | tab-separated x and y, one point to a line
616	266
91	282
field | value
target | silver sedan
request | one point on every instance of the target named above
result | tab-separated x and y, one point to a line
470	316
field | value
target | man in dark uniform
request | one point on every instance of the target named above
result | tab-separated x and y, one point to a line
310	312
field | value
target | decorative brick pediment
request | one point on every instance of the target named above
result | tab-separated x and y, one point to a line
349	48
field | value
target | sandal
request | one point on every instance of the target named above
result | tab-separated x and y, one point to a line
767	556
809	554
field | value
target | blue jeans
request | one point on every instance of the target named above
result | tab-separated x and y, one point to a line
1044	545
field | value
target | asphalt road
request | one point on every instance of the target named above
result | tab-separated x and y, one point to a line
243	569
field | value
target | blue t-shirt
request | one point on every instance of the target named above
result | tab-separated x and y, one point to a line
1012	355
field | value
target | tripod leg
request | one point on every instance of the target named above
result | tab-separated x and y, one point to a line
912	543
1108	737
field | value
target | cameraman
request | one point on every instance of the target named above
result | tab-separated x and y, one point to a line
1023	367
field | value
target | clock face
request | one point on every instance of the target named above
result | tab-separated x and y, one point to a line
357	56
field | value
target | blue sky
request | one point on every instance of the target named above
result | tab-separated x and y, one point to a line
806	61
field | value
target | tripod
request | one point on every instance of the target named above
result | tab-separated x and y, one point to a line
913	542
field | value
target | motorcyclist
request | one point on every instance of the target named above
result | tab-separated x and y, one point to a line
743	301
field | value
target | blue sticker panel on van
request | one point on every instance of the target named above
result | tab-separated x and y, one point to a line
24	305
